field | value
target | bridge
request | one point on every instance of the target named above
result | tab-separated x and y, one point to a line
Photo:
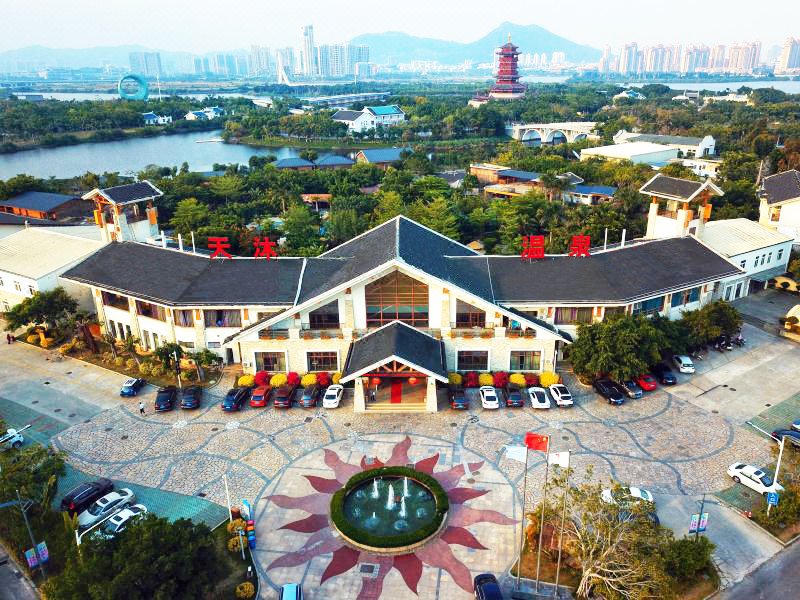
535	134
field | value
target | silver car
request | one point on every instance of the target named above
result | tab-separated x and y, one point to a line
105	506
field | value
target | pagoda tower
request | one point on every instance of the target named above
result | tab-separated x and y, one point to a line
507	85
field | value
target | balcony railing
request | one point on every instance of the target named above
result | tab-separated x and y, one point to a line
118	304
321	334
472	332
273	334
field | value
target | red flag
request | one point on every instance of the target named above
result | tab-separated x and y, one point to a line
535	441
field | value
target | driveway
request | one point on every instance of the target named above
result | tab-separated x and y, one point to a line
776	578
766	306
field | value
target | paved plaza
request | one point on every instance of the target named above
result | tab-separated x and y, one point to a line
676	442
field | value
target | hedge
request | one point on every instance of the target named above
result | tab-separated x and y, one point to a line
389	541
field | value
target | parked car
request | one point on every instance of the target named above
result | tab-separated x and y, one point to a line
132	386
105	506
663	374
790	435
457	397
260	396
538	397
284	396
514	398
310	396
647	382
487	587
796	425
81	496
606	388
631	388
754	478
561	395
626	495
684	363
235	399
121	520
489	397
333	396
165	398
190	396
291	591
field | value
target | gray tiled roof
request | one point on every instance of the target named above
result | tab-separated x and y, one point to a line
781	187
678	140
43	201
671	186
131	192
346	115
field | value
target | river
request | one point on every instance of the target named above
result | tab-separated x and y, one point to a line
132	155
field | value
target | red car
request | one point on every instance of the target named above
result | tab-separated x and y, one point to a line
260	396
647	382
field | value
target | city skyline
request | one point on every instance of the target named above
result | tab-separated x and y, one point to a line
278	25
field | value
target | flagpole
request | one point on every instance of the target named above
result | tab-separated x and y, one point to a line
541	520
523	521
561	533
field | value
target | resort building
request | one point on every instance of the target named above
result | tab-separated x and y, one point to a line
688	147
780	203
371	117
382	157
151	118
44	205
393	309
637	152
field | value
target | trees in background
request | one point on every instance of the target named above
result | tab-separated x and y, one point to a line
43	308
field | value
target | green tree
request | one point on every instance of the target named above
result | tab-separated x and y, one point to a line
343	225
166	353
439	216
43	308
301	227
390	204
129	344
227	186
190	214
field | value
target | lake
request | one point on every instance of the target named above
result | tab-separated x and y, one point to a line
132	155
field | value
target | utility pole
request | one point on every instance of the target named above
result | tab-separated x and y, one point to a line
700	520
30	533
522	521
177	368
777	468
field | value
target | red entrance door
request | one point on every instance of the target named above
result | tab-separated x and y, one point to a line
397	391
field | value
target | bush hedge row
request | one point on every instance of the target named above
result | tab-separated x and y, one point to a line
389	541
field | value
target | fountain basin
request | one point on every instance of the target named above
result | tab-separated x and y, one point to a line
409	510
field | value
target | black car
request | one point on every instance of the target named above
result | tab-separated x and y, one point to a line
487	587
190	396
664	374
82	496
235	399
165	398
132	386
284	396
791	436
514	398
310	396
458	399
609	390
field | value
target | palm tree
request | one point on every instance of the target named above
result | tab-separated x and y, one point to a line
109	339
129	344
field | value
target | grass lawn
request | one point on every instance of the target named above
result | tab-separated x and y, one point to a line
235	567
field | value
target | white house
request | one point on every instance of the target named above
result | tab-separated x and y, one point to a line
780	203
687	146
371	117
207	114
151	118
636	152
630	95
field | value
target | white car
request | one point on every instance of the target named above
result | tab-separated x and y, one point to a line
332	397
122	519
539	397
489	397
626	495
754	478
684	363
561	394
105	506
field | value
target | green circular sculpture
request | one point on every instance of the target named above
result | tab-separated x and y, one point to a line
141	92
389	509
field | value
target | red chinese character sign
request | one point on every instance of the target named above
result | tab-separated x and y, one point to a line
219	247
533	246
579	246
265	248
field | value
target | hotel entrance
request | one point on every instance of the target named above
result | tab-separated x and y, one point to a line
385	390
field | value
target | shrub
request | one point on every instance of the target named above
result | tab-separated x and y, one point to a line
500	379
144	368
235	526
80	345
292	378
336	377
119	361
261	378
686	559
455	378
518	379
190	375
233	544
548	378
308	379
158	371
48	342
471	379
246	381
485	379
66	348
324	378
245	590
277	380
131	364
531	379
32	339
107	357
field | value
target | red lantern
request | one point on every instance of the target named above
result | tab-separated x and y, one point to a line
412	381
376	381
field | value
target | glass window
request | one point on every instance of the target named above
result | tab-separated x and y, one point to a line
610	311
184	318
325	317
769	257
115	300
525	360
649	307
6	306
111	329
271	361
322	361
1	282
743	264
31	291
780	256
187	345
151	311
569	315
468	316
223	318
17	286
472	360
397	297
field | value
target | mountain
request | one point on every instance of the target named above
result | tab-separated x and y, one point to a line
394	47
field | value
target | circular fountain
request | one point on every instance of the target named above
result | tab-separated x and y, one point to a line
390	510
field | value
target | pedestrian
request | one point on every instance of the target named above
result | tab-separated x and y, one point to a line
141	407
8	338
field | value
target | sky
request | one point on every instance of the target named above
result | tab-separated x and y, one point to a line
202	26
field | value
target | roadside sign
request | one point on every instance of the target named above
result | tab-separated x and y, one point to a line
772	498
41	550
694	522
30	556
703	523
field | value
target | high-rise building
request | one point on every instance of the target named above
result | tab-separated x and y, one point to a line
790	56
628	59
605	61
356	54
286	61
308	53
260	63
653	61
744	58
695	59
146	63
717	60
558	58
332	60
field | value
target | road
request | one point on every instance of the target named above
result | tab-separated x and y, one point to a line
13	585
776	578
